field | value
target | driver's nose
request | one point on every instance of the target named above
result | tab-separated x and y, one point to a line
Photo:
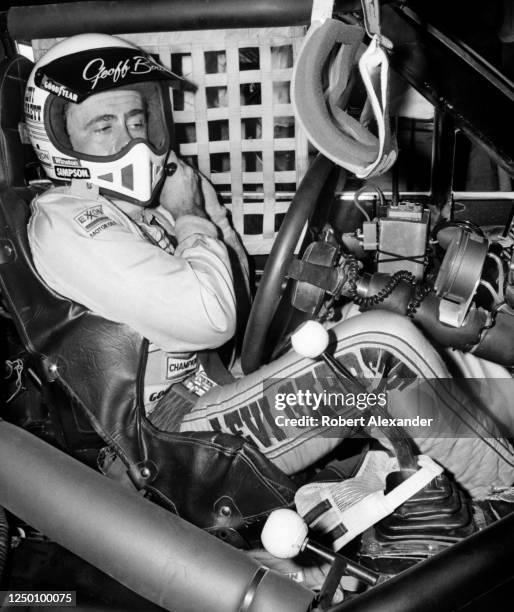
121	138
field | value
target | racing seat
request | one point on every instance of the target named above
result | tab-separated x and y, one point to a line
90	369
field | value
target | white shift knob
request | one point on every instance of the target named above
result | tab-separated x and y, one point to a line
284	534
310	340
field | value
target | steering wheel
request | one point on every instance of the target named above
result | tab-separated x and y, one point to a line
269	292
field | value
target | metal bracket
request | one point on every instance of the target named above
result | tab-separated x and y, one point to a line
7	251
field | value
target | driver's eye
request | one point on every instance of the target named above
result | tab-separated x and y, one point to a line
137	124
102	128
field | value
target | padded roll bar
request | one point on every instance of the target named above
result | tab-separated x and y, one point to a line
146	548
118	17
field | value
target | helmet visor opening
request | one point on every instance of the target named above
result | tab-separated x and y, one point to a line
156	106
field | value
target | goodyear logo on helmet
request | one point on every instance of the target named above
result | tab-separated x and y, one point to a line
72	173
57	89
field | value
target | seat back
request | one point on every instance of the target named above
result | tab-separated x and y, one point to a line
57	334
17	160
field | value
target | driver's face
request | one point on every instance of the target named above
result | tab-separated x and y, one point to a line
104	123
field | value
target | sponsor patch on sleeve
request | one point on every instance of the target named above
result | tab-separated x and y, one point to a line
93	220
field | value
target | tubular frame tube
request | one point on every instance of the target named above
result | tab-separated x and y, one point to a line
118	17
461	88
151	551
443	160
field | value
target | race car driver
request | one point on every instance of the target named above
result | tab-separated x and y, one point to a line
136	236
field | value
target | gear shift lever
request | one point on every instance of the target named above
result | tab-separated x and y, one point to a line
311	340
285	536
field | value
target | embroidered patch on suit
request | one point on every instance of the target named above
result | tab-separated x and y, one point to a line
177	368
93	220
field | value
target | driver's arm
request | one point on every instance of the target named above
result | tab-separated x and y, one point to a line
180	302
188	192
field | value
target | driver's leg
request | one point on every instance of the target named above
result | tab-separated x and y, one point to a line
371	344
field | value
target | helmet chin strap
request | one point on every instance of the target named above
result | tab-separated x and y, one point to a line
374	70
84	189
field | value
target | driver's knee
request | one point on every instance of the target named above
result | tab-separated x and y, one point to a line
381	323
376	321
391	333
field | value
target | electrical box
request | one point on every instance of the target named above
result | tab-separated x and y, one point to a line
402	239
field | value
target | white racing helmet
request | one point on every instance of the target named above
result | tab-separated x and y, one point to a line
82	66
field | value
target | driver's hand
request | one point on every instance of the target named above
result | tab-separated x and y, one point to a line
181	193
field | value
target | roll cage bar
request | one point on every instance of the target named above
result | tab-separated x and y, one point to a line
457	91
